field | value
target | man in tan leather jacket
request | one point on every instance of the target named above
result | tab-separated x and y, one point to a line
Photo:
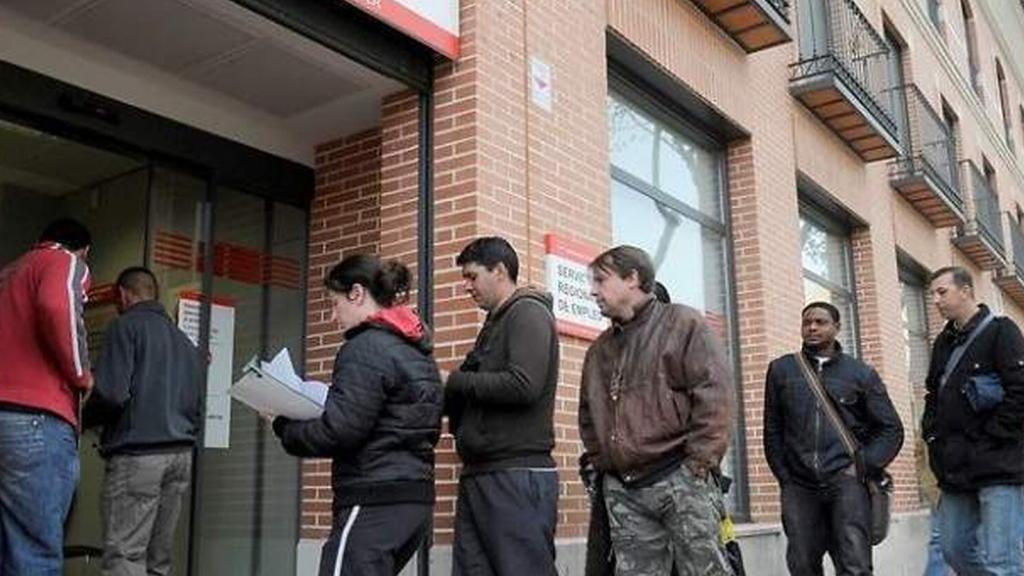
656	407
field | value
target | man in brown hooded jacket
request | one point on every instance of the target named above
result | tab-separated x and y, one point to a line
655	417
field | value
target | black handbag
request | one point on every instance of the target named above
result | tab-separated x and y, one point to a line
880	485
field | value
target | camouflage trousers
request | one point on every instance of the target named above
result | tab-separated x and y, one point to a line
672	522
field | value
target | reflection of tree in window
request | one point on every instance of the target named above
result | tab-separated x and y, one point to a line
814	248
672	222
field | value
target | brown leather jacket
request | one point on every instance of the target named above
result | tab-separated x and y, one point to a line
656	391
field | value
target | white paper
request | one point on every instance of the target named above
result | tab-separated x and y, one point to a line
217	429
275	388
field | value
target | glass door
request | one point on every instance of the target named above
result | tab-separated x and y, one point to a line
248	504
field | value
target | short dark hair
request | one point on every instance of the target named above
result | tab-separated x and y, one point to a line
961	277
832	310
67	232
387	282
624	259
140	281
661	293
488	252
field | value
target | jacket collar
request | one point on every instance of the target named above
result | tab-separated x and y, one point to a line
812	354
153	306
959	334
640	316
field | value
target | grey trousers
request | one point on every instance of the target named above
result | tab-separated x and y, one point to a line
141	501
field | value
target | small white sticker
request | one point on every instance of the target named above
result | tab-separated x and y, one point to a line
540	83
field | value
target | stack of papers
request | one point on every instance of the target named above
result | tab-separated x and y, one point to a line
275	388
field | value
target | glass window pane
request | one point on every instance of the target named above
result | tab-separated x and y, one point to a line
824	253
915	332
688	260
690	173
632	138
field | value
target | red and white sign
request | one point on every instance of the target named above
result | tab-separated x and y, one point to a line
568	279
432	22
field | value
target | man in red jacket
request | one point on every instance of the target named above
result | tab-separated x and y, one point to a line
44	371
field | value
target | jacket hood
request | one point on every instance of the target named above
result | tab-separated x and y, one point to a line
525	293
403	321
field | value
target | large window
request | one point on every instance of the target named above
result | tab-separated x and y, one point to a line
971	39
914	316
667	198
828	275
1004	104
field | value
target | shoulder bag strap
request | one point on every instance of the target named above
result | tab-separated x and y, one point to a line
830	410
959	351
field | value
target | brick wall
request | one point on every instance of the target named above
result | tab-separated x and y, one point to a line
502	165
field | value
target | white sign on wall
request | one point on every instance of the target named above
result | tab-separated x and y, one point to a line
217	427
568	280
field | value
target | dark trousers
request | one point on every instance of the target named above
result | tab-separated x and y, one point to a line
505	524
835	518
141	501
374	540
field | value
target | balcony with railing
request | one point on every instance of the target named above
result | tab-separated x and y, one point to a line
926	174
1011	277
753	24
981	236
843	76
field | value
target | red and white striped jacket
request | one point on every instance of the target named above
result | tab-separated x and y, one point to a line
44	360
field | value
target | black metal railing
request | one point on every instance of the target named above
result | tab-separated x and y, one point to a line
781	8
985	202
1017	244
928	143
850	48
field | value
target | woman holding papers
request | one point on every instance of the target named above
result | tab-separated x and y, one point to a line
380	423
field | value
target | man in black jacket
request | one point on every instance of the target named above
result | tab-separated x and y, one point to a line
825	502
976	448
147	400
500	404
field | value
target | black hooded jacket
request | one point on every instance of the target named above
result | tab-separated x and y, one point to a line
382	417
969	450
501	401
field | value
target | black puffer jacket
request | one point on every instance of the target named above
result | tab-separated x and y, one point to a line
801	444
382	418
969	450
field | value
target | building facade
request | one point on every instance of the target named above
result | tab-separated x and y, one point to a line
765	152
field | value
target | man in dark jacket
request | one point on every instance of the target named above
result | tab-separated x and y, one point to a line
976	450
655	419
146	399
825	502
500	404
44	371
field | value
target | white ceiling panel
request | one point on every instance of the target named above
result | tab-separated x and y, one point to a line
166	33
276	81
